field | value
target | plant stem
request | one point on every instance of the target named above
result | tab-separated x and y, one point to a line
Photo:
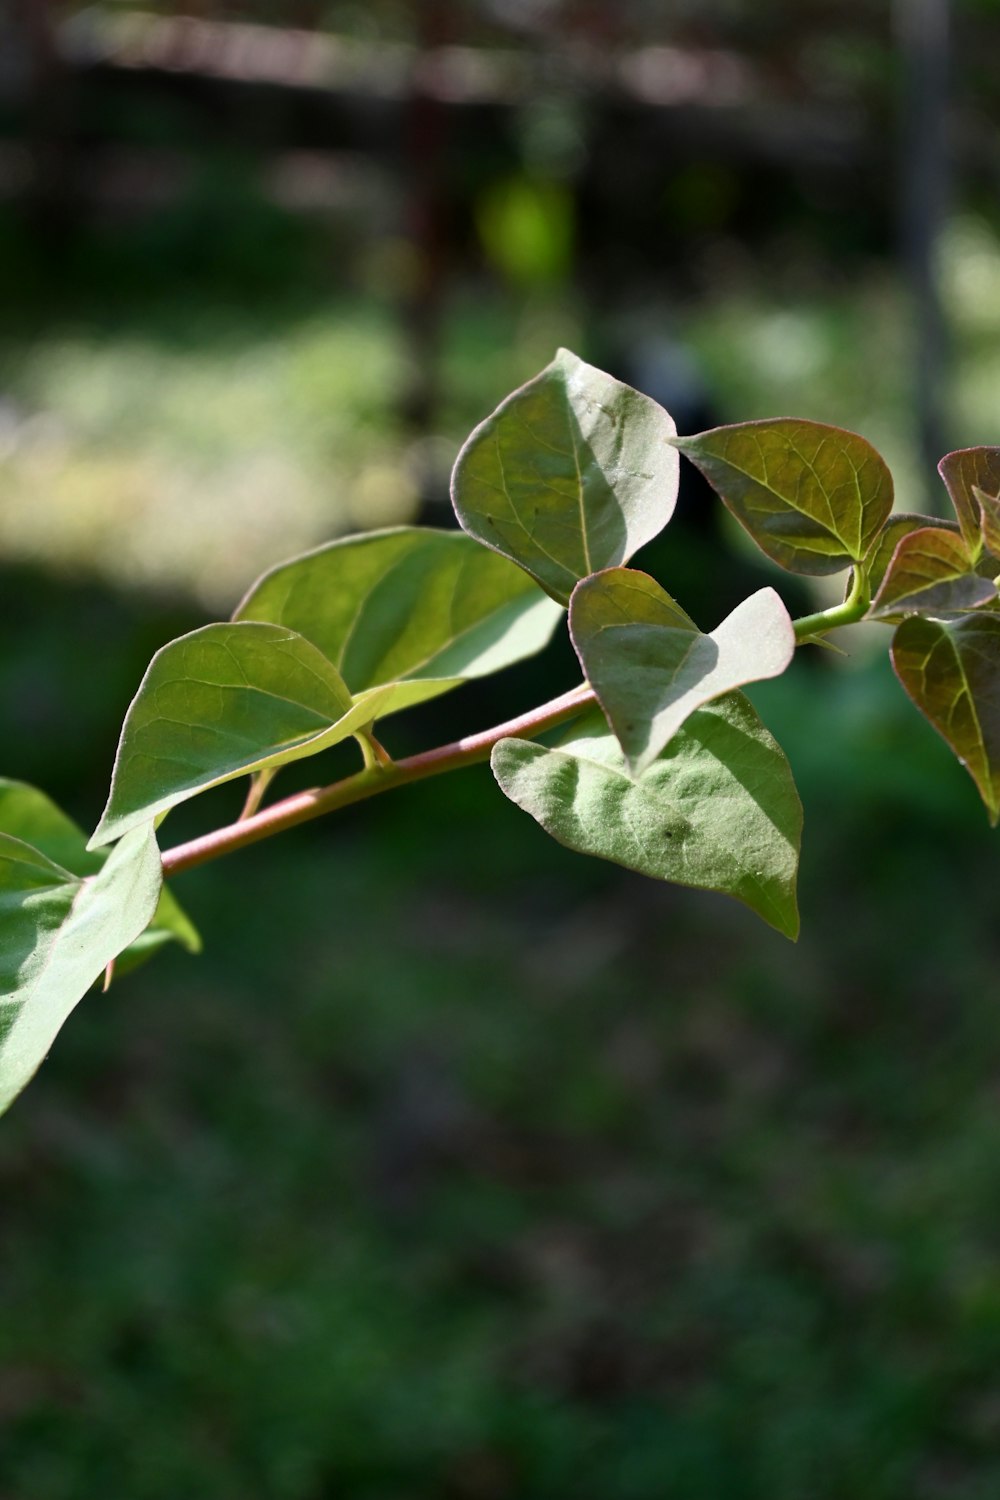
303	806
854	608
381	774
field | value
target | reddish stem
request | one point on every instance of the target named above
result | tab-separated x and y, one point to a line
303	806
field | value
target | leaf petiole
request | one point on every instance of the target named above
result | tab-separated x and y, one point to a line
376	755
809	627
259	783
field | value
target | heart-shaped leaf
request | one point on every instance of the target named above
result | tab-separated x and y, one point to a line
718	810
219	703
931	572
989	524
963	471
651	668
951	670
899	524
59	933
29	815
812	497
404	605
572	473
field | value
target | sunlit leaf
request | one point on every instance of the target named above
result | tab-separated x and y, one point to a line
28	814
931	572
651	668
951	670
962	472
718	810
812	497
59	933
572	473
408	604
219	703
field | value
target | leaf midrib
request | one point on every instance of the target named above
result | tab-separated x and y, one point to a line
787	500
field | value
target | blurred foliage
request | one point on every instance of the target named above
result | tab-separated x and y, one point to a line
576	1184
190	431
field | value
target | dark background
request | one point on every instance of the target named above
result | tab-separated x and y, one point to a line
459	1166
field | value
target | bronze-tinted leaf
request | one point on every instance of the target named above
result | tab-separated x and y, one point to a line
951	670
989	520
931	572
962	472
899	524
812	497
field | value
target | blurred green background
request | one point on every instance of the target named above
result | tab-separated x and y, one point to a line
459	1166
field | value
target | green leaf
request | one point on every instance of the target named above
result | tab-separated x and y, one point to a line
899	524
964	471
219	703
572	473
408	604
951	670
812	497
28	814
651	667
931	572
718	810
59	933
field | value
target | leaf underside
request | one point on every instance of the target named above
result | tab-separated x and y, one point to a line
718	810
813	497
651	668
572	473
60	933
28	814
